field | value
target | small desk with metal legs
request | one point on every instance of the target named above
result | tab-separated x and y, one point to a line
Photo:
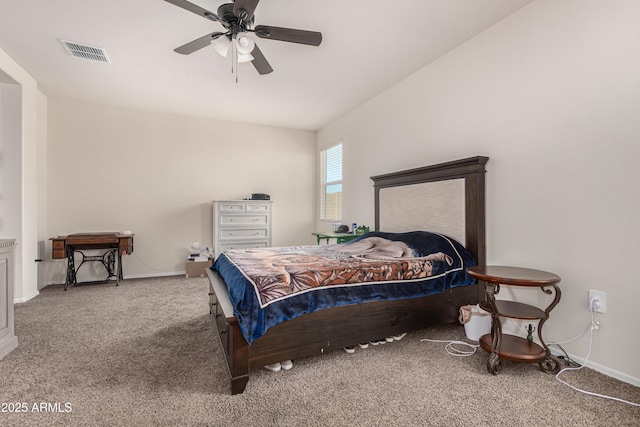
115	245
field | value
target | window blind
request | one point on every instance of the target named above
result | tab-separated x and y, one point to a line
331	179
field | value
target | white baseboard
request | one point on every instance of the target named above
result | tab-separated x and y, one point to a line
600	368
138	276
7	346
144	276
25	299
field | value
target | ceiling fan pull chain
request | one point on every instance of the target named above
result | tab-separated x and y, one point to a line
235	59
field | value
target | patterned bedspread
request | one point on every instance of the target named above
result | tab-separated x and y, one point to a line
269	285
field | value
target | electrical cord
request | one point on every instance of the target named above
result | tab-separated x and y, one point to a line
524	331
455	351
566	356
557	344
589	327
450	349
594	325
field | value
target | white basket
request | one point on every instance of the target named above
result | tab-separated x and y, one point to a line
477	322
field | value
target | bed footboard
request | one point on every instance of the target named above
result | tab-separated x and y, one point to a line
234	346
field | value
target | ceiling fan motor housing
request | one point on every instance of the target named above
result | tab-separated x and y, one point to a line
230	20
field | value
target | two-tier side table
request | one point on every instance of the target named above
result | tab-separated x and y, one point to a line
511	347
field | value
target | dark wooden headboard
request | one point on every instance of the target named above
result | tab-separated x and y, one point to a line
408	197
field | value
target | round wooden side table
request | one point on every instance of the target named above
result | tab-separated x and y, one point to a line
511	347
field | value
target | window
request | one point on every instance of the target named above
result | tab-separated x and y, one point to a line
331	181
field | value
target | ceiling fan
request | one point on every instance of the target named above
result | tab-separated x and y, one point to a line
238	18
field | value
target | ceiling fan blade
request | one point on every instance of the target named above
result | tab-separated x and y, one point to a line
260	62
195	9
197	44
247	5
312	38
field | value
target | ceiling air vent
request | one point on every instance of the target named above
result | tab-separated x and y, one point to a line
84	51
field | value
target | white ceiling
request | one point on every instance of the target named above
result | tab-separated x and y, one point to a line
368	45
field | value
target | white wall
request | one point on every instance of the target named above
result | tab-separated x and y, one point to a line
20	103
41	162
114	169
552	95
11	157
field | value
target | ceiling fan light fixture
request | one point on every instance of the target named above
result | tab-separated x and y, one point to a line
221	45
244	43
244	57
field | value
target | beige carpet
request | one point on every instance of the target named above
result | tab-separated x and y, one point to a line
145	354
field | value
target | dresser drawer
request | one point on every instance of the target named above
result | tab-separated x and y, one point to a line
58	254
239	245
243	233
58	249
244	219
258	207
231	207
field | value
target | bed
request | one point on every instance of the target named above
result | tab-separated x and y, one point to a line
446	199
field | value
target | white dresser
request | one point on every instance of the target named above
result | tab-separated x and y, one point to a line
8	340
241	224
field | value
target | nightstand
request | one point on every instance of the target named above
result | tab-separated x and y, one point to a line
340	237
512	347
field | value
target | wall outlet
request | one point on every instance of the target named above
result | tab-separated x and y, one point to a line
599	299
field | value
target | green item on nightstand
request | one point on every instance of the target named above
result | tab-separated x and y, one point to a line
340	237
362	230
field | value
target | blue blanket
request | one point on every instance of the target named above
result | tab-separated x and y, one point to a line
270	285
